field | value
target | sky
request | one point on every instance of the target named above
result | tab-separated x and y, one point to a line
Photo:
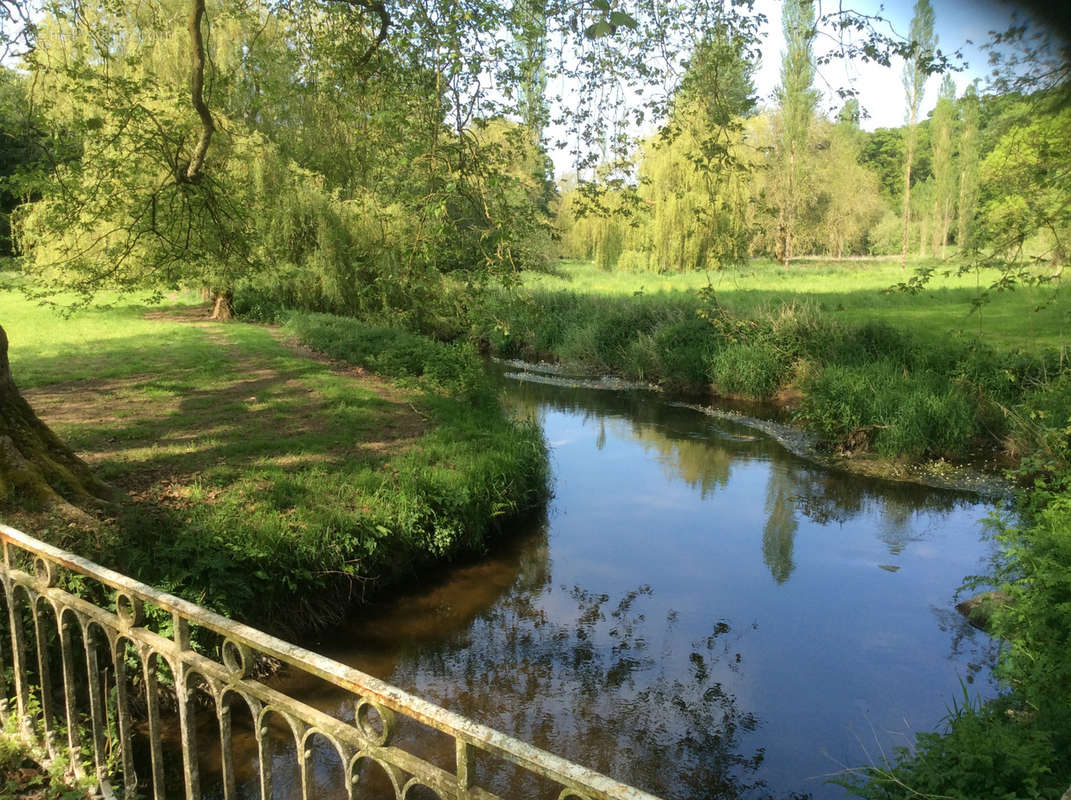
962	25
881	91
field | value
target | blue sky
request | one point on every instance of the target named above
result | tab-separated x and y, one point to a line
881	91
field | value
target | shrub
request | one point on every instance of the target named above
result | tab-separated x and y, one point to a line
899	412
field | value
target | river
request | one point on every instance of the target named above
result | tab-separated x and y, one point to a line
698	613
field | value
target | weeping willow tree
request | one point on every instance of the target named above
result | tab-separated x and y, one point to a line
695	174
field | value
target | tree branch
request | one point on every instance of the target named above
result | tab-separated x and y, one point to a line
197	85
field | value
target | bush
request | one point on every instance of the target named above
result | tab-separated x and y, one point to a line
683	351
982	754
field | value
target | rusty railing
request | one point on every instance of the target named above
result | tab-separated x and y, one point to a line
126	685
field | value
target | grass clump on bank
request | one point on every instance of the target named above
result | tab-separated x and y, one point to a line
270	485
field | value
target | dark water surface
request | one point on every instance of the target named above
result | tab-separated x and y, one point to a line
699	613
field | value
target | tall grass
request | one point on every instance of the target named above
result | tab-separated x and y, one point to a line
896	390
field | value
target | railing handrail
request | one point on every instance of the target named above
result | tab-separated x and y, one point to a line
521	753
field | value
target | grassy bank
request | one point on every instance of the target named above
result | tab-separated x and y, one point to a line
951	306
264	480
851	365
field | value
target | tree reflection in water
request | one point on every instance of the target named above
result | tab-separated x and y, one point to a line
604	685
702	453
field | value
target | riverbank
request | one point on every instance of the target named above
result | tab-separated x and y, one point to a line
260	477
876	394
988	484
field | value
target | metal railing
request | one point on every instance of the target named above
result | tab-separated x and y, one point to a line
125	686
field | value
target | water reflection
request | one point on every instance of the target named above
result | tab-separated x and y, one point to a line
700	613
702	454
779	532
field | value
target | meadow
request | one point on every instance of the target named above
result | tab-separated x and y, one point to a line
853	291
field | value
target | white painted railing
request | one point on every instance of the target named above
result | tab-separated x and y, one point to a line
124	684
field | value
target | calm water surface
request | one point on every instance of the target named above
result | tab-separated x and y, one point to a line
699	613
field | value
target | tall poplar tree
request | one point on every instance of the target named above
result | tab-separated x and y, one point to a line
944	178
968	162
798	100
916	71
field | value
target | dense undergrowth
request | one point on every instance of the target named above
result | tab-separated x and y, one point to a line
861	386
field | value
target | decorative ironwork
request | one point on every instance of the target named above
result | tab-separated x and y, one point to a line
110	683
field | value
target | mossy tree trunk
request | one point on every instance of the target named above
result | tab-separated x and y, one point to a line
37	470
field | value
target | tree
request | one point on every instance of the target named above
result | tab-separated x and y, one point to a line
1026	217
847	201
695	172
917	68
36	468
944	190
798	101
968	167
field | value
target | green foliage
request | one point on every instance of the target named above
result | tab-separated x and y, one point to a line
883	407
452	368
751	371
682	350
1024	204
984	752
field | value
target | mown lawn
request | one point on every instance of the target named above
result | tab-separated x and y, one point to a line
856	291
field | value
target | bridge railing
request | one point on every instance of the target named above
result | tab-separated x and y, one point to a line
130	681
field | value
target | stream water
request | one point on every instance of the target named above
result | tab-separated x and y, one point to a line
698	613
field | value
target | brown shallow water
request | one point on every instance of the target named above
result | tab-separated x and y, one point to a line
698	612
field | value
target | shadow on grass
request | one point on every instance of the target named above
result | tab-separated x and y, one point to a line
249	473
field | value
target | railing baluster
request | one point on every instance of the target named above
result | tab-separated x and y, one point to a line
152	711
223	713
263	756
187	728
98	720
69	688
45	675
123	721
18	657
464	768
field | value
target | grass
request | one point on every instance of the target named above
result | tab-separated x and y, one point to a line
264	480
852	292
904	376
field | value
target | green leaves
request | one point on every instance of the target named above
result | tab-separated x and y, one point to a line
612	20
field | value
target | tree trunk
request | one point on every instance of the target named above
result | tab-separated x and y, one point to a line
223	309
37	470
